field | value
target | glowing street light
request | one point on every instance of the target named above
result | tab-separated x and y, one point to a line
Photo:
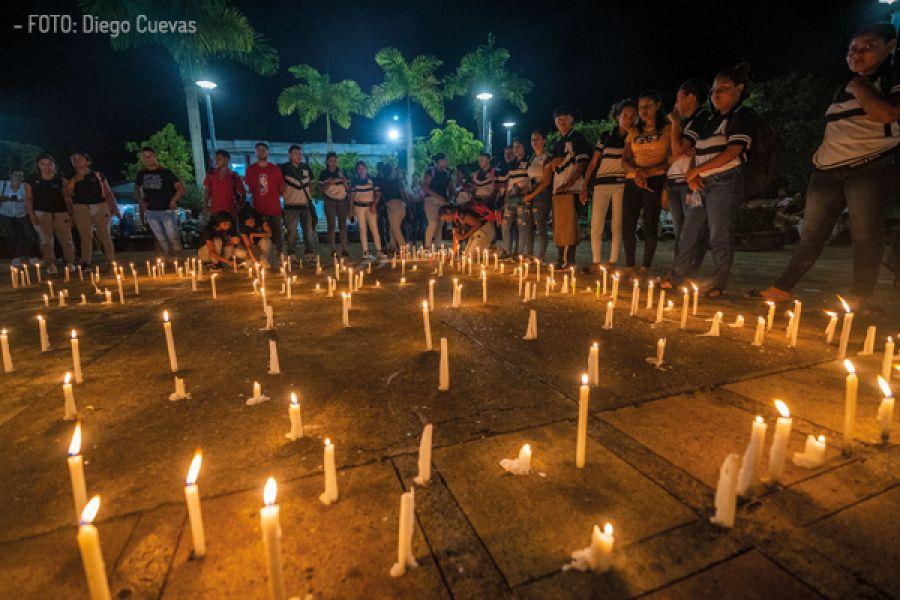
396	117
208	86
393	134
509	127
485	97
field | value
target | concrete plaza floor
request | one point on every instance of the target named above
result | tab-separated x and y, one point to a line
656	440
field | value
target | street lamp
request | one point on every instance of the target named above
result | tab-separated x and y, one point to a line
393	134
509	127
208	86
485	97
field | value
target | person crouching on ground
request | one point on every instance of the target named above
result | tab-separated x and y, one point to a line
473	224
256	235
220	245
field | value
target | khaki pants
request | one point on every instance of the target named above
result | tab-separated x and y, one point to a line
396	213
50	223
432	205
88	217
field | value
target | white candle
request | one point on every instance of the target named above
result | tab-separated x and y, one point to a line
483	286
565	284
537	269
726	496
760	332
885	410
4	348
83	299
431	292
70	412
888	361
748	476
192	499
76	358
271	535
407	526
531	329
331	490
594	365
615	287
684	308
813	454
660	307
274	364
134	279
695	301
50	288
869	343
345	309
424	475
444	368
602	543
795	324
13	277
770	316
330	287
650	287
91	554
62	298
270	317
170	342
636	297
524	459
46	300
779	445
715	326
603	269
608	320
584	395
845	330
288	282
76	472
121	287
42	330
831	327
851	390
660	352
426	320
296	417
738	322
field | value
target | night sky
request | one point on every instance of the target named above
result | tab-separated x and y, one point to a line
63	92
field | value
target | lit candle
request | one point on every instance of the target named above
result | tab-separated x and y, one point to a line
42	330
296	416
779	445
13	277
271	535
603	269
270	317
547	283
885	410
50	288
91	554
404	539
520	465
170	342
484	286
180	393
4	348
770	317
650	287
331	490
274	365
846	327
608	321
62	298
345	309
537	268
70	412
212	284
726	496
531	328
684	308
715	326
76	358
695	300
601	548
76	472
584	395
134	279
760	332
424	463
660	307
121	287
748	476
521	277
431	292
660	352
444	368
594	365
426	320
813	454
888	360
869	343
831	327
83	299
738	322
795	324
851	390
192	499
615	287
636	297
565	284
46	300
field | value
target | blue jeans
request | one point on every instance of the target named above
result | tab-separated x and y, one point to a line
722	196
513	228
678	194
864	191
164	225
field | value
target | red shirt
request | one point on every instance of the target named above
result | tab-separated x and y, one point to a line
266	184
222	188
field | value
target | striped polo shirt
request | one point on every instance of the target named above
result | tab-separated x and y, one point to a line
851	136
573	148
517	177
719	131
484	182
680	164
363	191
536	167
611	146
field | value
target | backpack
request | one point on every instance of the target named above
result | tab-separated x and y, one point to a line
758	163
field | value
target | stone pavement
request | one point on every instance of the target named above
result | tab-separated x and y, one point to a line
656	440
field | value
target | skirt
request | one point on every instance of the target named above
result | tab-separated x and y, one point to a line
565	220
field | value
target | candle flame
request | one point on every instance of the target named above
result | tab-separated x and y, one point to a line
844	303
74	334
327	441
75	444
194	469
848	364
526	448
270	491
684	290
615	275
694	287
584	379
821	439
67	378
782	409
424	304
759	419
41	318
166	316
608	529
609	305
595	345
637	283
770	303
90	511
294	398
761	320
831	314
885	387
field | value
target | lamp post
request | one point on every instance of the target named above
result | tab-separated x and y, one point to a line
509	127
485	97
208	86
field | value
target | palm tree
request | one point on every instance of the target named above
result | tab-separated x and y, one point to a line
317	96
221	31
484	69
412	81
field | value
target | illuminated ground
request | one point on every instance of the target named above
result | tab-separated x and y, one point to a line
656	441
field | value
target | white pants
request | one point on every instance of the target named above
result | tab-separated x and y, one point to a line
368	223
432	205
604	195
396	210
481	240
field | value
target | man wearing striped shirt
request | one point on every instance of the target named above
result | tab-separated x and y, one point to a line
855	165
517	185
485	180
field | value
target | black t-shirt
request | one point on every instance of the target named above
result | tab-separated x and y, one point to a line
211	233
158	186
89	190
440	181
47	194
259	227
390	188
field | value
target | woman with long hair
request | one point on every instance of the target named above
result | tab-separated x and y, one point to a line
537	214
50	211
333	187
93	204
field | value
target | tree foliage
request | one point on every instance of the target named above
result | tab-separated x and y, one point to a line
794	107
455	141
592	130
414	80
172	151
14	155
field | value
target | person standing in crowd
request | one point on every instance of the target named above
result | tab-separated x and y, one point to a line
720	143
416	223
688	113
256	236
436	188
609	184
14	219
219	243
646	155
365	195
266	185
537	214
333	187
223	190
855	167
93	204
565	173
50	211
298	204
473	224
157	191
391	186
485	181
517	185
